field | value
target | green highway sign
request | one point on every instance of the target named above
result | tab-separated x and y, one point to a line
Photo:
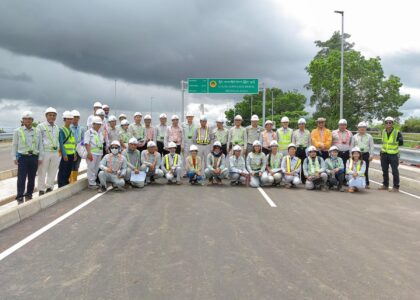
222	86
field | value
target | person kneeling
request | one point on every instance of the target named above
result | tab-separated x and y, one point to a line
193	166
237	169
150	163
132	155
335	169
290	167
272	174
113	168
314	170
256	164
216	169
355	171
171	165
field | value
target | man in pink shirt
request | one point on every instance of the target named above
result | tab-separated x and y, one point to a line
174	134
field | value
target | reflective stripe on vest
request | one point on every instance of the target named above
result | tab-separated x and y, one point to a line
29	148
206	139
119	162
390	144
358	167
99	146
168	167
288	163
137	160
284	139
70	144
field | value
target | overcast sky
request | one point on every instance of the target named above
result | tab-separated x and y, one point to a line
68	54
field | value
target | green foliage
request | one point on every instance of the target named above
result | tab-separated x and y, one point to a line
411	125
2	130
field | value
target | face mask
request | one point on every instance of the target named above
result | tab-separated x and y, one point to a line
114	151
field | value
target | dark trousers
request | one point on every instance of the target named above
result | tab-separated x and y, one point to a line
76	164
301	153
27	167
336	180
345	156
144	147
178	149
393	160
324	154
365	157
265	151
224	149
64	170
161	150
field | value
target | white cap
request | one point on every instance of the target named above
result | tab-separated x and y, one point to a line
50	110
217	144
362	124
27	114
151	144
137	113
175	117
97	120
105	106
256	143
100	112
122	116
291	145
311	148
125	122
75	113
301	121
116	143
163	116
284	119
112	118
333	148
67	115
189	114
97	104
274	144
203	118
355	149
255	118
133	140
238	117
171	145
237	148
193	148
268	122
389	119
147	117
342	122
220	120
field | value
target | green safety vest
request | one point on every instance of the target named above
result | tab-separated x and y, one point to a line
29	148
70	141
99	147
390	144
137	160
358	167
168	167
284	139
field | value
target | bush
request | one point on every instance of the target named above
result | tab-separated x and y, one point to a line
411	125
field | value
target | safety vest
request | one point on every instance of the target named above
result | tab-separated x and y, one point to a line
390	144
98	145
237	139
70	141
313	168
358	167
200	139
196	166
29	148
273	162
288	164
284	139
137	160
265	134
119	162
53	142
167	165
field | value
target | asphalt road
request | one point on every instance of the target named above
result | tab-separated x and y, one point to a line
181	242
6	162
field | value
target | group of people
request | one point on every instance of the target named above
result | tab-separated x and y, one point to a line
124	153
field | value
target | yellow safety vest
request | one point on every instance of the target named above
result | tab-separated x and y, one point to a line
168	167
70	141
358	167
284	139
390	144
288	161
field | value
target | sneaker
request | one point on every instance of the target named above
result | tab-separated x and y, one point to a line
351	190
367	187
41	193
28	197
323	188
383	188
101	189
394	190
48	190
19	200
93	187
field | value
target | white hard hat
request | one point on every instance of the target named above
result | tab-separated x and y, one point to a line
125	122
122	116
203	118
274	144
100	112
320	120
163	116
311	148
151	144
97	120
112	118
362	124
355	149
97	104
189	114
133	140
268	122
105	106
171	145
285	119
389	119
255	118
137	113
27	114
75	113
238	117
50	110
332	148
301	121
116	143
256	143
193	148
217	144
237	148
147	117
342	122
175	117
291	145
220	120
67	115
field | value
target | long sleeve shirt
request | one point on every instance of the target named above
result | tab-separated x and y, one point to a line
295	166
171	162
253	134
353	167
161	133
321	138
302	139
342	139
49	136
150	134
113	134
307	171
274	162
95	140
364	142
237	136
332	163
237	164
188	130
215	162
117	163
256	162
267	137
61	139
137	131
25	141
174	134
133	158
149	159
203	136
192	165
221	135
78	133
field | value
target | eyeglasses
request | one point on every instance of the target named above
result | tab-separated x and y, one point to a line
388	122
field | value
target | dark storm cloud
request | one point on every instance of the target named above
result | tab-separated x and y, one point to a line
406	65
8	75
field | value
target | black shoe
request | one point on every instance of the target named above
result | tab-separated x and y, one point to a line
19	200
41	193
48	190
101	189
28	197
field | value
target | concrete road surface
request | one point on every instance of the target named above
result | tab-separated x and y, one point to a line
182	242
6	162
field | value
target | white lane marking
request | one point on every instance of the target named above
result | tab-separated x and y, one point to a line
380	171
40	231
402	192
268	199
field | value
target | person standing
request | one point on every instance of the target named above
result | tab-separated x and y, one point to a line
94	142
125	134
188	129
301	137
78	133
237	135
106	109
365	142
342	139
174	134
284	135
220	134
321	138
149	130
161	134
202	138
27	154
97	105
253	133
136	130
392	139
48	169
267	136
113	131
67	144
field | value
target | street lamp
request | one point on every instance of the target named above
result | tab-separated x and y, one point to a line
342	61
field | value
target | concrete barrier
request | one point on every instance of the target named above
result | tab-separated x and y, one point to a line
17	214
8	174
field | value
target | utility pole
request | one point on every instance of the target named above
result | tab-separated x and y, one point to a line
342	63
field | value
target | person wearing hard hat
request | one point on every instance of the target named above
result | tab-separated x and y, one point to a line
193	166
106	109
113	131
335	169
48	169
216	170
392	139
161	134
220	133
188	129
238	173
272	175
267	136
355	171
256	164
149	130
321	138
103	130
136	130
365	142
253	133
284	135
291	167
174	133
125	134
150	163
342	139
94	143
121	117
113	168
171	165
202	138
27	154
78	133
97	105
67	144
301	137
314	170
237	135
132	156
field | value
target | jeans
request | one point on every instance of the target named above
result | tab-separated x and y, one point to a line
27	167
393	160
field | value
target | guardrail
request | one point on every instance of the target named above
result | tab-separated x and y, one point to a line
406	155
6	136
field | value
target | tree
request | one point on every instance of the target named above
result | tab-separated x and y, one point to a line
411	125
368	94
290	104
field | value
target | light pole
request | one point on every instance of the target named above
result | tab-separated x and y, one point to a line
342	61
272	105
151	105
